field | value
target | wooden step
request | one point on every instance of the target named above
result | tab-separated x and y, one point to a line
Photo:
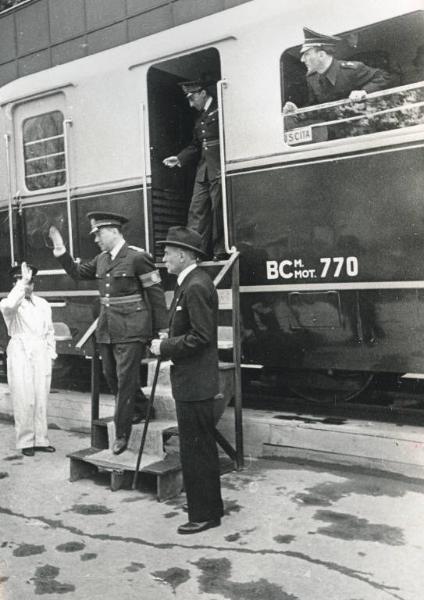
167	471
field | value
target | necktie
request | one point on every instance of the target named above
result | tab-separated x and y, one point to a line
174	300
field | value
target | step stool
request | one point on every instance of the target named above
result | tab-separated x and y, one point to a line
165	469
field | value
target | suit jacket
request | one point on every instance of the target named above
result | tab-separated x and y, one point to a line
205	145
192	345
131	273
341	78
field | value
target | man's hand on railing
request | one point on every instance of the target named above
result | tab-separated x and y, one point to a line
357	95
289	108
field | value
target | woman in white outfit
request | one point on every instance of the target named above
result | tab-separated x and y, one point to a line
30	353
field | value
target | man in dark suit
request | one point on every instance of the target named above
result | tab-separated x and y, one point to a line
205	213
133	309
330	79
192	348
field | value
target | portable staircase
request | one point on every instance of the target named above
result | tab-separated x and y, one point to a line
160	460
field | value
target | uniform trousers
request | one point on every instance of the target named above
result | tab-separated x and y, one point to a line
199	460
29	369
121	368
205	214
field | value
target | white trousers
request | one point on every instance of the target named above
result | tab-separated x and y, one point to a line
29	369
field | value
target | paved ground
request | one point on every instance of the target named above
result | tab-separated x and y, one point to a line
291	532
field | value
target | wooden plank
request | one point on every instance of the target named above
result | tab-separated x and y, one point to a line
79	469
169	485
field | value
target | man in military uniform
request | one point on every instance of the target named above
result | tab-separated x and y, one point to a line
132	309
329	79
205	213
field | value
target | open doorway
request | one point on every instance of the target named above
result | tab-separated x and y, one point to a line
171	123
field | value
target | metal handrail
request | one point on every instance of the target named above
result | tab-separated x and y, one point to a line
222	83
9	197
345	101
67	123
144	164
358	117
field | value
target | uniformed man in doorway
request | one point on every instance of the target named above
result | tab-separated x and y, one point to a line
330	79
132	310
205	212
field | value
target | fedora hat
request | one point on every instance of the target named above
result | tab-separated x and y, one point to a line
183	237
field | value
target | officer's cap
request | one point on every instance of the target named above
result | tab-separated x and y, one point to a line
197	85
318	40
103	219
183	237
16	273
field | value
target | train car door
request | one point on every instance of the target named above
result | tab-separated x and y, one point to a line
40	185
170	123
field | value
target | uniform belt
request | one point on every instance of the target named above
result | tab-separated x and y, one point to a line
209	143
120	299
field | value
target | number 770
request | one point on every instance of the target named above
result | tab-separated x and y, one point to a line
341	264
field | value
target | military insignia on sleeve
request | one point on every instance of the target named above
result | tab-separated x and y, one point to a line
155	277
149	279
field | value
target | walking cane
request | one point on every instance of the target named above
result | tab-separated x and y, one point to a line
146	423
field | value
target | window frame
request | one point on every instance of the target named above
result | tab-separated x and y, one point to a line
62	153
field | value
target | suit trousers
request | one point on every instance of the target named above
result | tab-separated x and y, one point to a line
205	214
199	460
121	368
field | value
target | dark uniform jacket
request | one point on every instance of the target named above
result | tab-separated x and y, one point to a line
132	300
343	77
192	343
204	145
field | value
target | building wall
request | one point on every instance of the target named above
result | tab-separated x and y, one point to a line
40	34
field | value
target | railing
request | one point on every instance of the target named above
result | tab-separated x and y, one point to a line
398	108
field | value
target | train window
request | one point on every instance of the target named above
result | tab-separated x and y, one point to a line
393	50
44	151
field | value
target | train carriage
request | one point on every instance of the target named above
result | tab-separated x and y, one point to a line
325	205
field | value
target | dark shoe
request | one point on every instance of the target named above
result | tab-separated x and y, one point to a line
137	419
45	448
192	527
141	416
28	451
119	445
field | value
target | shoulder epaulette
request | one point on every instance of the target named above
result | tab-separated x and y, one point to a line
137	248
212	112
349	64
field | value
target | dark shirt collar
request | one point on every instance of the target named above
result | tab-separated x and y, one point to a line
332	71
